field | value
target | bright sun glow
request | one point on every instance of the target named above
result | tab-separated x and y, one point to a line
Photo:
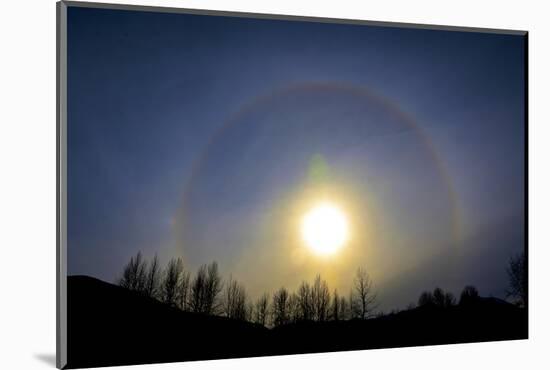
325	229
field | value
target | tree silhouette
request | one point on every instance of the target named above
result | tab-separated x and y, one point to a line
142	325
438	298
345	311
134	274
249	310
517	280
170	291
469	295
320	299
214	286
294	312
184	287
304	302
450	299
280	308
152	280
426	299
202	294
198	291
336	312
206	294
205	290
363	297
261	310
234	300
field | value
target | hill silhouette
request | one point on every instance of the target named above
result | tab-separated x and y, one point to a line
110	325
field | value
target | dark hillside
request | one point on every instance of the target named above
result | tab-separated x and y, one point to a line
109	325
484	321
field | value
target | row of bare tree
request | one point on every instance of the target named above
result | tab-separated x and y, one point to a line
516	292
207	293
173	285
315	302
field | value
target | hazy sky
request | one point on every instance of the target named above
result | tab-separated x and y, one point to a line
209	137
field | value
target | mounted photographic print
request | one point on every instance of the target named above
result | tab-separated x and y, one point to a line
236	185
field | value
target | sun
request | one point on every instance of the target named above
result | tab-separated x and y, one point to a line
325	228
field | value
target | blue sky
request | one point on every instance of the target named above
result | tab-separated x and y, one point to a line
192	136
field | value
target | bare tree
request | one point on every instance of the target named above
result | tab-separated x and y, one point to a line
205	290
439	297
363	298
234	300
345	313
469	295
184	288
214	286
198	291
426	299
134	274
152	280
304	302
171	282
336	308
281	314
320	296
450	299
517	280
249	310
261	310
294	312
339	308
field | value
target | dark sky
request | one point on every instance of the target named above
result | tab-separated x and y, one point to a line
199	137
